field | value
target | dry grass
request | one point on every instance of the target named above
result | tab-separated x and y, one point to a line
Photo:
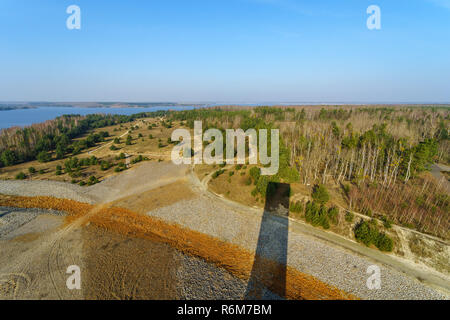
234	259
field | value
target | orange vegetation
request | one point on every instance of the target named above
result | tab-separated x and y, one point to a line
234	259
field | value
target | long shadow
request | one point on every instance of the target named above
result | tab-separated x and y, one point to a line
268	276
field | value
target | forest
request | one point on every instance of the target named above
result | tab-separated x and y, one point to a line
377	156
57	138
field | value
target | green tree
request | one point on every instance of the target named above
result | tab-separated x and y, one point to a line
320	194
8	158
43	156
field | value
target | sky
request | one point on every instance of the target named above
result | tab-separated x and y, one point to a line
247	51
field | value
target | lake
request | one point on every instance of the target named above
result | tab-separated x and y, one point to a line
26	117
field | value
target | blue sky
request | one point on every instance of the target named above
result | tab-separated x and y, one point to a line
225	51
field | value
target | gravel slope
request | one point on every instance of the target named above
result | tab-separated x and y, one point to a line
341	268
46	188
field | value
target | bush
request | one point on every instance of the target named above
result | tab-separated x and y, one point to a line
218	173
113	148
386	222
384	243
42	171
129	140
317	215
92	180
349	216
8	158
296	207
21	176
43	156
105	165
255	173
82	183
248	181
320	194
367	233
121	156
139	158
31	170
333	213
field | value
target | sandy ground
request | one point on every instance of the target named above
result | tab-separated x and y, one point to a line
122	267
34	264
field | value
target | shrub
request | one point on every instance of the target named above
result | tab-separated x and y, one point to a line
31	170
92	180
367	233
43	156
386	222
105	165
129	140
231	173
21	176
121	156
8	158
296	207
320	194
218	173
82	183
113	148
42	171
333	213
384	243
349	216
255	173
248	181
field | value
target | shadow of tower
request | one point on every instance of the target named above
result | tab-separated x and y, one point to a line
268	276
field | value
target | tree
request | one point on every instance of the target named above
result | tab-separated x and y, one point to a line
8	158
129	139
43	156
320	194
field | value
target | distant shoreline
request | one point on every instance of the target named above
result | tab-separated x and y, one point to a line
34	105
9	106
